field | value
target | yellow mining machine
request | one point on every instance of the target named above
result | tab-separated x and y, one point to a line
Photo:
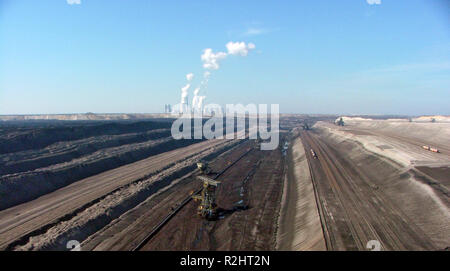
207	197
340	122
203	167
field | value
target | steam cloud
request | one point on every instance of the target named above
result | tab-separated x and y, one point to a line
372	2
184	90
239	48
211	61
184	93
72	2
189	76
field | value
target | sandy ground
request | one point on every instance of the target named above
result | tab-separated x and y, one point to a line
390	155
114	205
254	181
299	224
37	158
31	217
399	141
374	181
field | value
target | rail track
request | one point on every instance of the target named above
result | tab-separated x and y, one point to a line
320	205
180	206
416	142
353	209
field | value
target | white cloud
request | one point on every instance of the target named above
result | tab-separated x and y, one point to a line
211	59
374	2
189	76
72	2
239	48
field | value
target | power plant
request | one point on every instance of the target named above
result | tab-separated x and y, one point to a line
167	108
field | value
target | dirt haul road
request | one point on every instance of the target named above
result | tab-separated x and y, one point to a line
24	219
355	209
131	228
254	181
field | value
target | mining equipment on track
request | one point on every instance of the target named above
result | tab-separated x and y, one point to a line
207	197
203	167
340	122
428	148
313	153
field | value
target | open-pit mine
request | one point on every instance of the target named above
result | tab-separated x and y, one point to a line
124	183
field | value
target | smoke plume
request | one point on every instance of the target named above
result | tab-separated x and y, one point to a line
184	93
211	61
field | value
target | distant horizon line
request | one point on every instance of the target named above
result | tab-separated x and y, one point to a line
162	113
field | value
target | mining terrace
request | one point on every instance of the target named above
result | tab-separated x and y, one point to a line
115	184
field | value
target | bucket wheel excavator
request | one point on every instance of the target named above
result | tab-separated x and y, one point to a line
207	197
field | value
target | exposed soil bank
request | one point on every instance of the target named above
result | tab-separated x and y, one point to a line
92	219
22	187
300	227
65	151
423	210
26	136
249	198
441	174
434	134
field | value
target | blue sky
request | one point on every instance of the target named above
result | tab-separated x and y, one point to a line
343	57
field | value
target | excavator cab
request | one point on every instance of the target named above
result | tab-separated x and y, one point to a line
203	167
